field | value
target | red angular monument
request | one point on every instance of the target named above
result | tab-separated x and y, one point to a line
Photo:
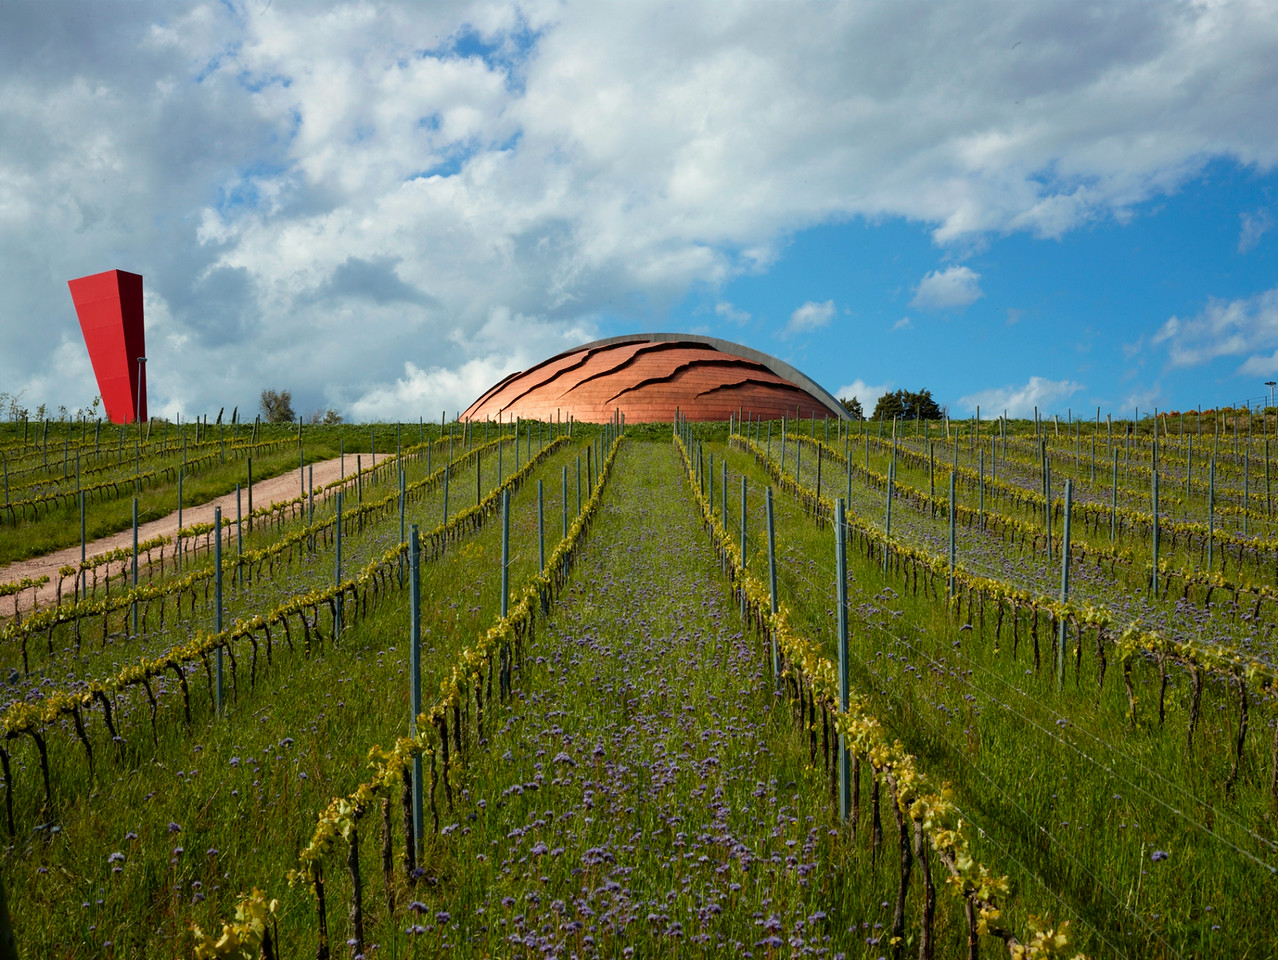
109	306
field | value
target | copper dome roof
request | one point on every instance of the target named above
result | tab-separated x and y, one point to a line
648	377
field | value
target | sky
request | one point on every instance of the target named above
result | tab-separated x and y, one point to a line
386	207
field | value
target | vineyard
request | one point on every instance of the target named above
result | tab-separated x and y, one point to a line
839	689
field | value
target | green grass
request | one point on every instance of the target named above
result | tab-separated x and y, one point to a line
644	792
256	814
60	526
644	656
1027	759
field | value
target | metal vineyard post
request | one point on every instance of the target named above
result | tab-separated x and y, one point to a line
135	564
980	518
1065	537
1153	494
401	523
710	478
724	494
541	528
953	515
217	598
1113	509
772	582
1246	487
239	540
1047	497
887	523
505	584
415	672
841	594
81	580
337	570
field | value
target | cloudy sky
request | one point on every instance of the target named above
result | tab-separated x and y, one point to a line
385	207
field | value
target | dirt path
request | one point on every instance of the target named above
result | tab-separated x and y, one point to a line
275	490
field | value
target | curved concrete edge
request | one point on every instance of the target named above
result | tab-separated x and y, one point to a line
779	367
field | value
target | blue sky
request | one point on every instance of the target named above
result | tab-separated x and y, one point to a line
1081	309
385	206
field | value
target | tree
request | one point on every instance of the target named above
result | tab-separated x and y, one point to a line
329	417
277	406
908	406
889	406
921	406
853	407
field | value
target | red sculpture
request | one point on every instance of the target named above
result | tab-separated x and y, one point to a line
109	306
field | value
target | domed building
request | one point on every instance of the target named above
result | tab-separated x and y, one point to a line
651	376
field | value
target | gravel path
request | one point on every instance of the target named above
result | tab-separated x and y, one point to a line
276	489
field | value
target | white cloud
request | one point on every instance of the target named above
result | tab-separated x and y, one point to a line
1261	365
867	393
432	390
1020	401
728	312
1225	328
948	289
902	324
810	316
1254	226
321	193
1143	398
